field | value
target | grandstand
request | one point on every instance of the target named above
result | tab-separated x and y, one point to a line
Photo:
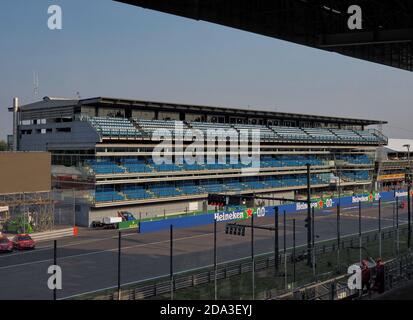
111	141
394	163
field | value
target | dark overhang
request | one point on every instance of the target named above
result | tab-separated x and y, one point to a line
233	111
386	37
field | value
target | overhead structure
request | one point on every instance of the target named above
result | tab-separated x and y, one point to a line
385	38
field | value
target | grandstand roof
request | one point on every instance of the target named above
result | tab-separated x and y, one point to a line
386	36
253	112
397	145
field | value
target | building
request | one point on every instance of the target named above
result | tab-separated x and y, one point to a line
106	146
394	164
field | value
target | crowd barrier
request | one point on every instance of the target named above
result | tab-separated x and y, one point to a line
224	217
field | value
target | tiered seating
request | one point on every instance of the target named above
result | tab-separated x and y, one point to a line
233	186
265	132
368	136
290	133
189	188
290	161
254	184
347	135
136	193
114	127
104	167
321	134
165	191
108	196
167	167
150	126
211	186
193	167
133	165
362	175
206	126
355	158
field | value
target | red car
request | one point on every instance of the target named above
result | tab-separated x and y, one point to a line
23	241
5	245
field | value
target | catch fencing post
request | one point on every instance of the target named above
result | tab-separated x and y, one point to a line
380	232
276	244
119	263
171	267
55	264
285	249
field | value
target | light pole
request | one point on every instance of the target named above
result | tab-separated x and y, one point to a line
407	146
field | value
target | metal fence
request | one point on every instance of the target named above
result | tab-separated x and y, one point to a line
292	278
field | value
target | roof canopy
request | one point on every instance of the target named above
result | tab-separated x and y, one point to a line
48	103
398	145
386	37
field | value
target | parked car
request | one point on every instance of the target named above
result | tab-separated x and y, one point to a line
5	245
23	241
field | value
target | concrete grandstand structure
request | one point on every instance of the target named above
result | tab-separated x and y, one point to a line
109	143
395	163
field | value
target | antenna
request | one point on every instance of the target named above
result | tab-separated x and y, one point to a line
35	85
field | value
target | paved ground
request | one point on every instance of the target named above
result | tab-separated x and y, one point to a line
89	262
402	293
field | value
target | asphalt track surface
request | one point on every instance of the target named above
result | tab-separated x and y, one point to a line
89	261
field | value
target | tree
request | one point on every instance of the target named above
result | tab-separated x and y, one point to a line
3	145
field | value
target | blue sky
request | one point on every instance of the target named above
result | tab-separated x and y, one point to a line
116	50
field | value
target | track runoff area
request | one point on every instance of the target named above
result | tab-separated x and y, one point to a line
89	262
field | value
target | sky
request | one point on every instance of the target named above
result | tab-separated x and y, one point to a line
115	50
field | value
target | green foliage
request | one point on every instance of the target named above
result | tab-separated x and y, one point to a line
3	145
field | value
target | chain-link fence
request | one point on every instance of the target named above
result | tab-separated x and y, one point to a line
239	280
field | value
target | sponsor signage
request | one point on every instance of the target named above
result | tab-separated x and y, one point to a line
240	214
399	176
319	204
366	197
134	224
400	194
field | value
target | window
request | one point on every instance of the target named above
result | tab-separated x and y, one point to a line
63	130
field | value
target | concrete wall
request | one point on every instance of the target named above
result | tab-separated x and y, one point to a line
82	136
25	172
144	211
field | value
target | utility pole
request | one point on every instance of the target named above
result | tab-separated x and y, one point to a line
408	181
313	241
338	235
119	265
55	264
380	235
360	234
276	244
252	257
215	261
171	265
294	245
285	249
309	259
397	227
